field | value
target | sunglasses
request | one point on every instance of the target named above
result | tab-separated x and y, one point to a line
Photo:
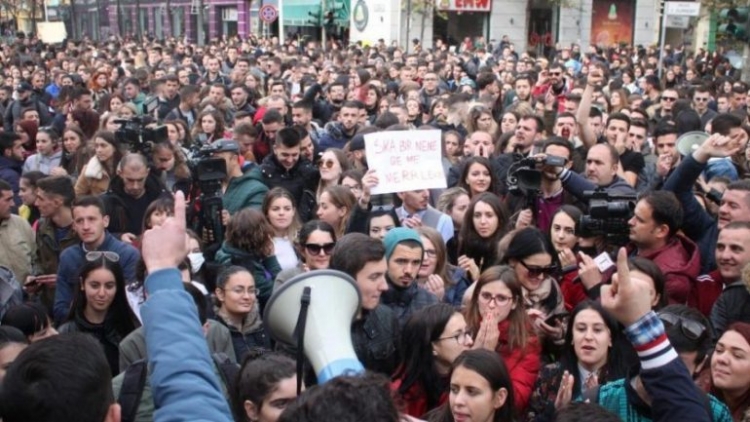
669	99
693	330
315	249
535	271
96	255
326	163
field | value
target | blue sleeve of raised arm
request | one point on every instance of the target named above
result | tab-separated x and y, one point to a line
183	381
576	184
681	182
129	264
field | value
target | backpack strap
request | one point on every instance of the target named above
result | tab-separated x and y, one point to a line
227	369
133	383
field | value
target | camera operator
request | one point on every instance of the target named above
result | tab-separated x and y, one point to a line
551	193
240	190
657	218
735	204
129	194
602	163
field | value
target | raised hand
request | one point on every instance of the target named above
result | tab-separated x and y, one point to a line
627	298
165	246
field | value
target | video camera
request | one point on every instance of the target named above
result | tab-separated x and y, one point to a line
524	179
132	132
608	216
209	172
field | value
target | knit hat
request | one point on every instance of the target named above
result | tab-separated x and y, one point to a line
398	235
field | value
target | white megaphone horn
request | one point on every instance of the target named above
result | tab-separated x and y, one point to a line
690	141
332	301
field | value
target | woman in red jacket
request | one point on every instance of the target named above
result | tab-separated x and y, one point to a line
432	339
496	313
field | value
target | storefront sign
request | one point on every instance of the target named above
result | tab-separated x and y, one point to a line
465	5
405	160
612	22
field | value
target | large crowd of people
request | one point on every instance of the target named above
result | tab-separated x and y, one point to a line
586	261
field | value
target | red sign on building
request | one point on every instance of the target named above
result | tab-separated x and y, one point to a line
465	5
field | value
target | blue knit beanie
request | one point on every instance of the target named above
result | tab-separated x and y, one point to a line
398	235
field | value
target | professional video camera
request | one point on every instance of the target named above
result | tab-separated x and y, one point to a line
524	179
209	172
132	132
608	216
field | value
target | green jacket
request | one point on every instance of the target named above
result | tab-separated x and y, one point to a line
245	191
263	269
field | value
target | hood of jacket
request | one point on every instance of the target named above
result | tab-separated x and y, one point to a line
94	169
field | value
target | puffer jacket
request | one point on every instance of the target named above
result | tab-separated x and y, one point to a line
301	181
245	191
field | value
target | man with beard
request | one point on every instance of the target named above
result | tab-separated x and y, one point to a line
337	134
240	95
557	84
552	195
324	108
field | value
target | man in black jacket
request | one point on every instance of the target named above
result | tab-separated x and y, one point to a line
287	169
130	193
375	330
25	100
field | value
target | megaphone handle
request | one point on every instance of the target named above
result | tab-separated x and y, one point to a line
301	323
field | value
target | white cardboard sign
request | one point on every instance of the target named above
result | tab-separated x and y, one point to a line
405	160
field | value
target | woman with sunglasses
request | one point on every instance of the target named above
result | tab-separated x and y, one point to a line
432	339
249	243
100	306
281	213
447	282
315	243
530	255
332	164
497	316
595	353
236	300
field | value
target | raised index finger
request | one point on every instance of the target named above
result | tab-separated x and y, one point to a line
623	271
179	209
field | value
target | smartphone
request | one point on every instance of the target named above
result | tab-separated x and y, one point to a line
555	319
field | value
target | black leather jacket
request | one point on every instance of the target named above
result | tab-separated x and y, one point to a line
375	338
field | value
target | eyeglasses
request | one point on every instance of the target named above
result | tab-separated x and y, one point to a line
326	163
701	99
239	290
315	249
690	328
669	99
109	256
431	253
535	271
460	337
555	73
499	299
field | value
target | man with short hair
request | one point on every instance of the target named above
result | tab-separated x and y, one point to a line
90	222
240	96
271	123
668	157
169	98
132	93
213	73
701	98
431	90
616	134
375	330
17	243
602	163
287	169
337	134
738	99
54	233
654	227
416	211
185	110
302	115
529	131
245	134
735	203
404	253
11	162
732	256
241	190
129	195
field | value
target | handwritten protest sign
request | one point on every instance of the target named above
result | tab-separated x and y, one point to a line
405	160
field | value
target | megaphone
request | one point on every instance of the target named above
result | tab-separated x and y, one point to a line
690	141
330	301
